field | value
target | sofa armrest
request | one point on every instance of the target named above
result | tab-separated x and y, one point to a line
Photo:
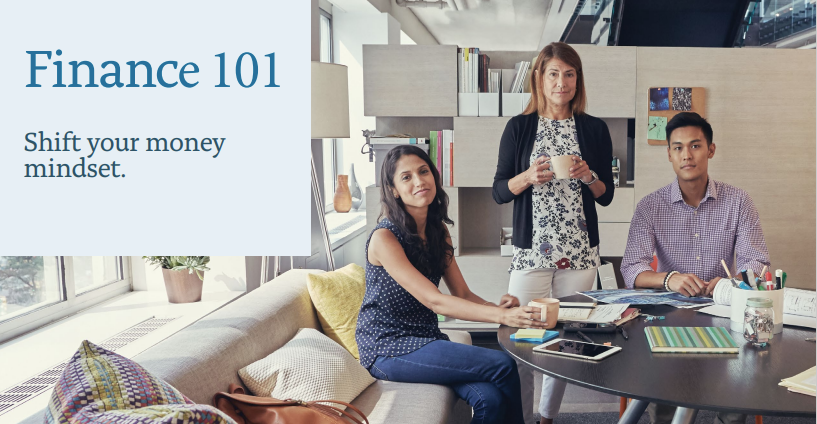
458	336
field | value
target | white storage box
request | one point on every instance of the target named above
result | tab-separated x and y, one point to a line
488	104
514	103
506	242
468	104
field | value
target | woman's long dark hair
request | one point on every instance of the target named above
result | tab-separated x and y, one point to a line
433	256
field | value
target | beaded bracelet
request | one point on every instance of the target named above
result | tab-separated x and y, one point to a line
666	279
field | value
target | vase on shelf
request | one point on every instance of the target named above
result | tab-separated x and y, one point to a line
354	189
343	197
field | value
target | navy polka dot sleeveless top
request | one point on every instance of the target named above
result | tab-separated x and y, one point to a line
392	322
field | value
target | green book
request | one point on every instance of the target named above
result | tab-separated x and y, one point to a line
432	146
690	340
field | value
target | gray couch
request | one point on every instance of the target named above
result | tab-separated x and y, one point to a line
205	357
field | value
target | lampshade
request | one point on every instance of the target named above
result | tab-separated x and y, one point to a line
330	101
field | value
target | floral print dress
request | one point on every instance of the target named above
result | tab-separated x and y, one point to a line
560	239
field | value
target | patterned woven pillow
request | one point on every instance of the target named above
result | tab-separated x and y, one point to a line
99	386
309	367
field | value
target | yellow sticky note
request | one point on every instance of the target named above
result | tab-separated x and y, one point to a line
530	333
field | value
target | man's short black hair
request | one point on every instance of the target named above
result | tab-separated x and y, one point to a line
689	119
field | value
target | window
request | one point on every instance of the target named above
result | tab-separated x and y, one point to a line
35	290
28	283
329	143
91	272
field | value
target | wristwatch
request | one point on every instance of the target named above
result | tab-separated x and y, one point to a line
595	178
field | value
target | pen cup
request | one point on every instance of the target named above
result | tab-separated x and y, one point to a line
738	302
550	310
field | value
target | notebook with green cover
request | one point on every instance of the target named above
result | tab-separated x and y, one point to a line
690	340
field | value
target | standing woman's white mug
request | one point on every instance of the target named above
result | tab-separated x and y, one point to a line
555	225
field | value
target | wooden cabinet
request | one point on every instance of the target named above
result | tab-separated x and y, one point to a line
476	146
409	80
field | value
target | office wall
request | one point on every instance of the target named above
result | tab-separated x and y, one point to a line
761	104
351	31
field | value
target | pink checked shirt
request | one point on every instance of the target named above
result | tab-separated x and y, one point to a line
691	240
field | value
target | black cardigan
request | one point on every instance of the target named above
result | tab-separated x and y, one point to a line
515	149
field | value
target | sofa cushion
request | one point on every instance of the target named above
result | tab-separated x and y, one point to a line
337	296
390	402
99	386
205	357
309	367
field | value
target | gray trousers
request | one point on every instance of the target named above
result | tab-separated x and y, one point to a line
533	284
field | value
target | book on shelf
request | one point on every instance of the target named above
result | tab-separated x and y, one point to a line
386	140
516	82
446	176
397	139
690	340
432	148
441	152
472	70
494	80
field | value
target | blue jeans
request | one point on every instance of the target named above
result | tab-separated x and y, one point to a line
486	379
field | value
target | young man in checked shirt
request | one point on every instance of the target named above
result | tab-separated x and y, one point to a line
690	225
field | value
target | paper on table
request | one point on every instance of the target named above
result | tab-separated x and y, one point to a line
574	314
724	311
606	313
800	302
722	294
805	382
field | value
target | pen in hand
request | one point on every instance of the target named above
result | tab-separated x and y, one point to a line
584	336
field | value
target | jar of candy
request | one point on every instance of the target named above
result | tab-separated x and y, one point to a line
758	321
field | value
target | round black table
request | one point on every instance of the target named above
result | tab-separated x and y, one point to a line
746	382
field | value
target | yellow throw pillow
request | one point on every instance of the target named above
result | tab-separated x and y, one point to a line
337	296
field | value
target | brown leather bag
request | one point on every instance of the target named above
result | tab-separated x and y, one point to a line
246	409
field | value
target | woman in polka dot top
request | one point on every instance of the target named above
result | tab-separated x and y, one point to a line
397	332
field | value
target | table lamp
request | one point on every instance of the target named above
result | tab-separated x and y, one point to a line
330	119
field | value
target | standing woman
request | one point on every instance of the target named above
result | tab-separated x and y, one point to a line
555	226
397	330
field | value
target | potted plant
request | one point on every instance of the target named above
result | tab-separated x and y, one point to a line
182	285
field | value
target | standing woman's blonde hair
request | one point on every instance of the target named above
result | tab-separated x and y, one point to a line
565	53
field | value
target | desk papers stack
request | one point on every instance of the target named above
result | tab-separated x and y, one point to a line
602	314
803	383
